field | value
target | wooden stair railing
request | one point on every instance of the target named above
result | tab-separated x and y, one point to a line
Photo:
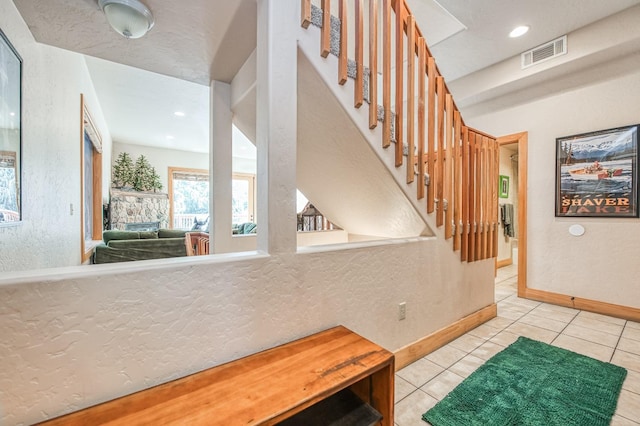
457	164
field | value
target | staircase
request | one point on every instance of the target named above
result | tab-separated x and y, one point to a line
453	166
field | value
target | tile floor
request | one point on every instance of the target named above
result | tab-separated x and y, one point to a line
420	385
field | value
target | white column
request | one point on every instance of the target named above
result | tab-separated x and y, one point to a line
276	93
220	160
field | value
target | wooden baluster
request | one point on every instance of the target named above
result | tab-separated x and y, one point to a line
431	131
411	99
472	197
359	46
448	166
373	64
386	73
344	34
422	70
490	195
484	185
441	153
496	162
325	38
464	243
305	13
478	196
399	80
457	189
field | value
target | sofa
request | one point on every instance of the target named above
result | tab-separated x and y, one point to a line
126	246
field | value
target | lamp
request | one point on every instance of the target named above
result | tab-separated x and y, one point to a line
130	18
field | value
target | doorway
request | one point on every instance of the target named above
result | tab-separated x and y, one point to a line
512	246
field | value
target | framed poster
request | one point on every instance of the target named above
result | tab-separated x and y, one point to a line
503	188
597	174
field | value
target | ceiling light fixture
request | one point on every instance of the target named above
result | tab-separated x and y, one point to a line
130	18
179	114
519	31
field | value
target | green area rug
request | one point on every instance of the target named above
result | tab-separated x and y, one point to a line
532	383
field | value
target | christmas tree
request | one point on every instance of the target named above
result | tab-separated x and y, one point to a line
143	175
123	171
155	181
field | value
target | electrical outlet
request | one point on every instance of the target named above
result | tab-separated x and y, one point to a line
402	311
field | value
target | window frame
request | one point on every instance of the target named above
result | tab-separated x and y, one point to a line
87	125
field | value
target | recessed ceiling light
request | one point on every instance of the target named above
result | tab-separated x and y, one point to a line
169	137
179	113
518	31
13	114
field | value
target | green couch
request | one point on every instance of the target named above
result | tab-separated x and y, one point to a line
125	246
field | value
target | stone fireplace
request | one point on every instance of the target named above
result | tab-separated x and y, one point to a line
131	207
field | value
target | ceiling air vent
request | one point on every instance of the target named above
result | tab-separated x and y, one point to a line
544	52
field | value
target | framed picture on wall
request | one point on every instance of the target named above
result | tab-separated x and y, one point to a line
503	186
597	173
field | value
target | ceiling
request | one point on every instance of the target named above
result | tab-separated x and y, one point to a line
211	39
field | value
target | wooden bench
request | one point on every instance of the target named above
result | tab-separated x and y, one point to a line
261	389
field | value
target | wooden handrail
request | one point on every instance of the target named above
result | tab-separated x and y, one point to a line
457	164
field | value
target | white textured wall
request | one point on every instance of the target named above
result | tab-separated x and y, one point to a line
53	80
75	340
602	264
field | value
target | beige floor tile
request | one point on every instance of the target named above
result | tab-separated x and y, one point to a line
598	325
603	318
628	345
564	316
632	382
631	324
621	421
484	332
487	350
584	347
532	332
502	294
547	307
420	372
504	338
543	322
402	388
442	384
631	333
509	313
523	302
629	405
626	360
509	305
466	365
499	322
467	342
446	356
591	335
409	411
